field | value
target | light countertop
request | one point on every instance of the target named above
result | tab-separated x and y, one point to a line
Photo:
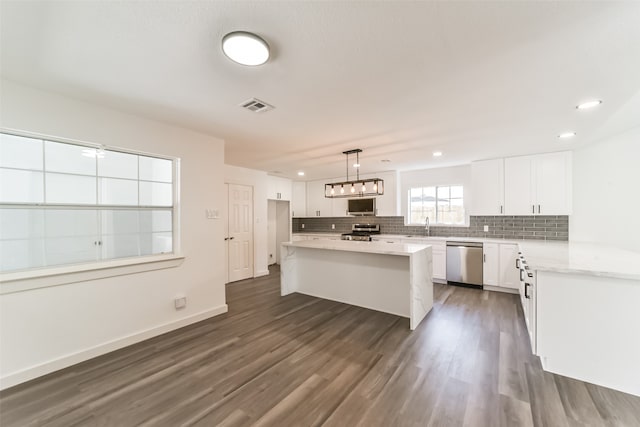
562	257
402	249
581	258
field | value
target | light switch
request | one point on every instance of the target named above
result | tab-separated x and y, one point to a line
212	213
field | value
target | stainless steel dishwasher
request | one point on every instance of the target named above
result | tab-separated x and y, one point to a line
464	263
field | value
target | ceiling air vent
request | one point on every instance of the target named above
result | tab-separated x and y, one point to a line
256	105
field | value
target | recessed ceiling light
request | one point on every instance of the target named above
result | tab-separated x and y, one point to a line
356	165
589	104
385	161
566	135
245	48
437	153
300	173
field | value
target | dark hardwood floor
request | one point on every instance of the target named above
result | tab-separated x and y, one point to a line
303	361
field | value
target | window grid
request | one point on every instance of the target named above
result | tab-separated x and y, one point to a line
440	204
145	235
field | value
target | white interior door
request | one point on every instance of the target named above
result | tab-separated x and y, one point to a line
240	237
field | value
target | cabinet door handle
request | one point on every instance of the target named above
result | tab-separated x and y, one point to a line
526	288
538	208
484	257
533	209
500	208
226	238
518	263
231	238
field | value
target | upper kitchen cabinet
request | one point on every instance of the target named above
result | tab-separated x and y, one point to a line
538	185
487	187
553	183
299	200
387	204
317	204
278	188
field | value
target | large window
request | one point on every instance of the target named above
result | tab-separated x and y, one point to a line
441	204
64	203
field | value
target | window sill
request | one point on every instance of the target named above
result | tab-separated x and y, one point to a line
56	276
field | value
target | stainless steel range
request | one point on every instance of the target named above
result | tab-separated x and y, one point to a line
361	232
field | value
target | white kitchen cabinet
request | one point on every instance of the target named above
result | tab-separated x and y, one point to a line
553	184
491	264
528	300
518	186
317	204
487	187
538	185
387	204
299	200
339	207
509	273
278	188
438	254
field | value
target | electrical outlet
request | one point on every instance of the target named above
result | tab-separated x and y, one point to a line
180	302
302	225
486	228
333	226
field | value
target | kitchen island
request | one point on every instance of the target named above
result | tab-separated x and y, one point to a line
393	278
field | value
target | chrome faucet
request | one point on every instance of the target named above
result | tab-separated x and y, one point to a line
426	226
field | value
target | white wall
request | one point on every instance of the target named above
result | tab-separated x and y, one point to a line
258	180
46	329
606	201
438	176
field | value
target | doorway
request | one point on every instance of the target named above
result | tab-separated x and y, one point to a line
278	228
239	232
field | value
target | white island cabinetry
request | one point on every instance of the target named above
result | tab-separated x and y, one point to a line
392	278
581	308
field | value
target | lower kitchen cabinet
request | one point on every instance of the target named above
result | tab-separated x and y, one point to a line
509	273
438	254
499	266
491	264
528	299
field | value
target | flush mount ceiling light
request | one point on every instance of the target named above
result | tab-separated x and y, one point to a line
589	104
300	173
437	153
355	188
566	135
245	48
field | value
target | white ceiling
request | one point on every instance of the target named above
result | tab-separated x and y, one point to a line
397	79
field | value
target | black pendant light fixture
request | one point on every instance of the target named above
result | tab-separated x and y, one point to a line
354	188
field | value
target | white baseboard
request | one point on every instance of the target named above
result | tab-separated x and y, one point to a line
36	371
262	273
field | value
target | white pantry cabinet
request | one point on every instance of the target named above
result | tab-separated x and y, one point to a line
487	187
278	188
538	185
491	264
299	200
